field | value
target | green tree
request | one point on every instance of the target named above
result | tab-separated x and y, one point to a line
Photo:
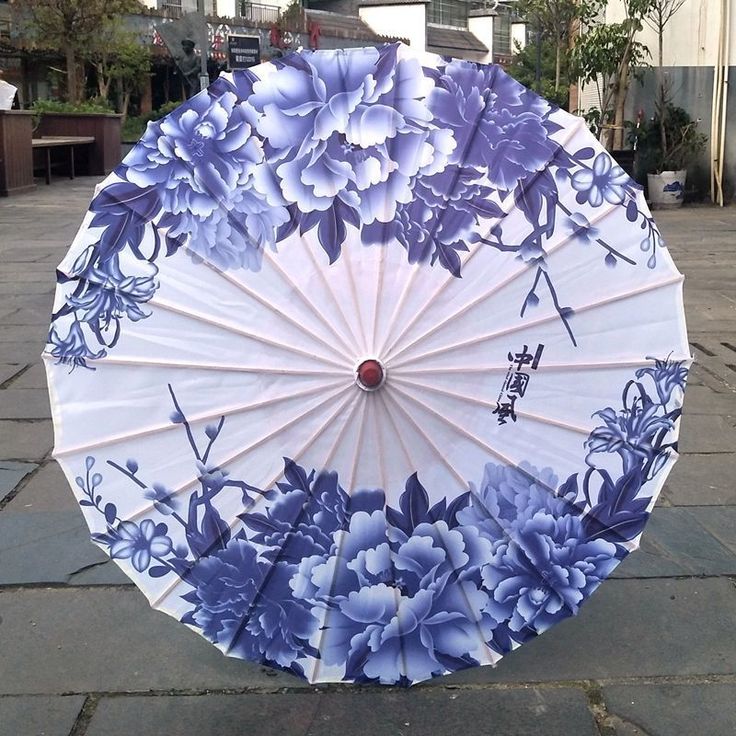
555	20
71	26
604	54
523	68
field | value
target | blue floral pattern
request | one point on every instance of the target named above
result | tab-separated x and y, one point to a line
314	576
368	141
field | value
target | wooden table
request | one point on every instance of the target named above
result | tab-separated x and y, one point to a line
61	141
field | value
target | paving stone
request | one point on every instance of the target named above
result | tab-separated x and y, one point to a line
26	440
8	370
720	522
18	333
707	434
12	473
39	715
78	640
704	400
34	377
52	547
20	352
629	628
675	543
514	712
664	710
24	403
48	490
706	480
27	287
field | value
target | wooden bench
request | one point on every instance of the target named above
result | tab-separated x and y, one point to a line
46	143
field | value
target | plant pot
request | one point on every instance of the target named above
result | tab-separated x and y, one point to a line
667	190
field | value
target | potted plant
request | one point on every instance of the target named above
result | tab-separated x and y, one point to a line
665	148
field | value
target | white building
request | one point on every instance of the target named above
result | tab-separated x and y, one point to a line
483	30
699	54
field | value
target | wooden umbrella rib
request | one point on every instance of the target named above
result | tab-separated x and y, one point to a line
257	443
120	360
492	405
265	303
329	290
541	368
199	317
256	501
484	296
197	419
541	320
308	302
449	278
472	437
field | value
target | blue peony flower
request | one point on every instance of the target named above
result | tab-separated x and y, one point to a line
509	496
245	604
604	181
399	608
546	572
203	159
351	126
140	543
497	123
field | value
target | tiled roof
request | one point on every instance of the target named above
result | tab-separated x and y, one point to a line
454	38
367	3
345	26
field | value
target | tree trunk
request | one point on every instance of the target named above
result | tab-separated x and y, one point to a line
558	58
661	101
103	82
618	122
126	102
72	92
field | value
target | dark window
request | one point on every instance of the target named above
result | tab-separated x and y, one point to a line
502	31
448	13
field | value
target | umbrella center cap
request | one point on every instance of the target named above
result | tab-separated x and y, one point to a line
370	375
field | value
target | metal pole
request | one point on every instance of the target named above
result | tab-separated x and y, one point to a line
204	77
538	70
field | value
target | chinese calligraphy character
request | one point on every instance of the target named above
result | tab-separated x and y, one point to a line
505	410
517	383
526	358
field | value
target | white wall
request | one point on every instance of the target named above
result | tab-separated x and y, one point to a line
518	36
404	21
691	37
482	28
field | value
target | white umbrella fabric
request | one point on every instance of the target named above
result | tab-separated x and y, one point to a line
367	365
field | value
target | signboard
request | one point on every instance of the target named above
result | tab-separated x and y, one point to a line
243	51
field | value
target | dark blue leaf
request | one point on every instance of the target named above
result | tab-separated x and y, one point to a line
414	502
398	520
111	513
260	523
486	207
457	504
85	502
437	512
585	153
295	475
632	212
331	232
158	571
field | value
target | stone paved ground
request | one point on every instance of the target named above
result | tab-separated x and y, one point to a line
81	653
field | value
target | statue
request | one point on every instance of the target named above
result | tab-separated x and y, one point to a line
190	65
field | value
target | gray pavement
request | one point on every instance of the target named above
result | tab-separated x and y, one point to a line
82	654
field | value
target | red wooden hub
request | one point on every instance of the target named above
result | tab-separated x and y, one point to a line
370	373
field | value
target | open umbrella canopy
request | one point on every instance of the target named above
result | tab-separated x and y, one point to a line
368	364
